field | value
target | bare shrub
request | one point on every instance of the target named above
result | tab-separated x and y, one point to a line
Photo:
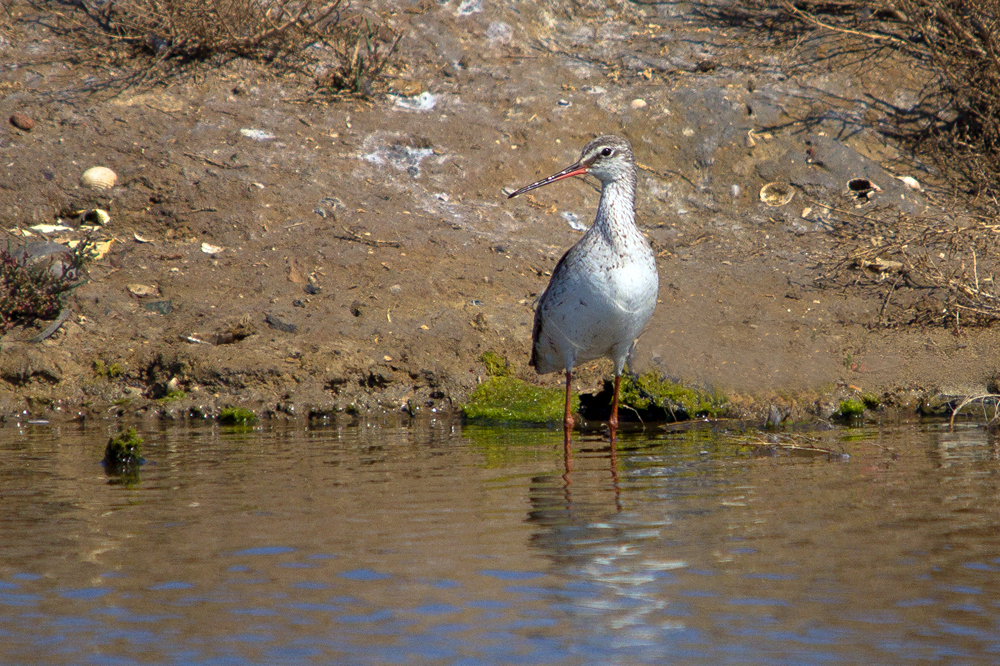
195	30
927	271
956	126
341	49
936	272
35	280
362	49
960	39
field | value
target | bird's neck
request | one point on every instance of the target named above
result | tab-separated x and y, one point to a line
616	211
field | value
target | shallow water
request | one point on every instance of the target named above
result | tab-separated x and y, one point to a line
451	545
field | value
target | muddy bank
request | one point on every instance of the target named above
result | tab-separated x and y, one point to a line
301	255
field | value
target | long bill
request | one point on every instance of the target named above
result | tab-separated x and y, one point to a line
577	169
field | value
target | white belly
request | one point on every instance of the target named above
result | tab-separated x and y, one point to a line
595	310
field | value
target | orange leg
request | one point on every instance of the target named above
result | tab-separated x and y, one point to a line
567	458
568	418
613	421
613	428
614	472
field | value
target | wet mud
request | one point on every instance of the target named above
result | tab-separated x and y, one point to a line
298	255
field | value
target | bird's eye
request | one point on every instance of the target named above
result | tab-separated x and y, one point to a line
608	152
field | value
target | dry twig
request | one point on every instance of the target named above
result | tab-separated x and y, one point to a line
981	399
153	38
796	444
366	241
951	266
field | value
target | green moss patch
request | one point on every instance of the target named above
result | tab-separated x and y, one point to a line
657	398
172	396
122	456
496	364
511	399
852	408
108	370
239	416
871	400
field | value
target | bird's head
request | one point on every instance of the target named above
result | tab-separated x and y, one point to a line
607	158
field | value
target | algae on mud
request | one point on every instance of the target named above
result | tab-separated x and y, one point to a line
238	416
655	396
512	399
172	396
851	409
496	364
107	370
650	396
122	456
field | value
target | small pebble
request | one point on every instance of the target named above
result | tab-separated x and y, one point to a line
638	104
21	121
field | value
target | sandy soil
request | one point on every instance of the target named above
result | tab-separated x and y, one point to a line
370	253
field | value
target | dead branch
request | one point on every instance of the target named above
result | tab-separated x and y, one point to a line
366	241
974	399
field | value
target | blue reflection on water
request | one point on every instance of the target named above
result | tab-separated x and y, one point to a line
623	569
85	593
501	574
171	585
364	575
265	550
7	599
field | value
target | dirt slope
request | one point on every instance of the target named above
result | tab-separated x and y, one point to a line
370	252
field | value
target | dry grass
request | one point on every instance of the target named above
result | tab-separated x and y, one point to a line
362	51
34	285
199	30
341	48
927	271
983	401
956	125
939	272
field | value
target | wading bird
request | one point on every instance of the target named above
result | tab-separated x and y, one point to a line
603	290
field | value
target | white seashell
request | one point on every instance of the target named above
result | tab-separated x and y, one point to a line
97	216
777	194
50	228
99	178
141	290
211	249
911	183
